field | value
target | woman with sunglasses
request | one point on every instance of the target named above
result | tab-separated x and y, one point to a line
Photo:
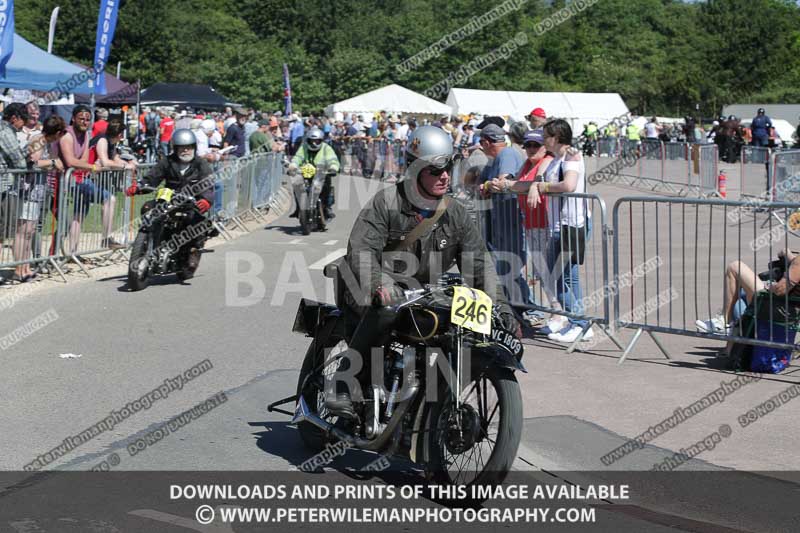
535	220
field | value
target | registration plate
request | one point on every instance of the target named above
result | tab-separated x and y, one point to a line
471	309
508	340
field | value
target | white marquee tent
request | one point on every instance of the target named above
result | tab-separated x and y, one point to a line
392	99
577	108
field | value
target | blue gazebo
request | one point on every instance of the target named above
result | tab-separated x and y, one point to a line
32	68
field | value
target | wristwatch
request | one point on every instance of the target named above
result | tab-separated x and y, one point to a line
52	163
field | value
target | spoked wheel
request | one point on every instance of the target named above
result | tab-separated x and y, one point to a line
138	265
313	389
321	220
305	215
476	442
305	222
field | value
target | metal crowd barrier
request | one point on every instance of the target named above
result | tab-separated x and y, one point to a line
90	207
50	219
785	175
754	177
783	169
650	164
676	151
608	147
669	256
537	270
29	232
371	158
708	169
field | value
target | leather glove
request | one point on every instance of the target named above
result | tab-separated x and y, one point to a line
130	191
386	296
508	321
203	205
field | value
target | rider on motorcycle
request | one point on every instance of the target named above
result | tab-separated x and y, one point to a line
320	154
379	252
184	172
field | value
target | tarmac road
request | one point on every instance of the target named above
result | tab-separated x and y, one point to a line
238	313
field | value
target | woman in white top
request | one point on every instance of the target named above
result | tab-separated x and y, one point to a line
565	174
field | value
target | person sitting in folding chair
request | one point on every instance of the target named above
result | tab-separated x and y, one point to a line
742	283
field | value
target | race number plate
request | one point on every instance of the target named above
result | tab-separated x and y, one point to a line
471	309
164	194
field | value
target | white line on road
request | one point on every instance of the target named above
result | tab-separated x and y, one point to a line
295	241
319	265
330	243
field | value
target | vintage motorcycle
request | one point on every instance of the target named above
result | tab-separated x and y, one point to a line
450	400
307	191
165	237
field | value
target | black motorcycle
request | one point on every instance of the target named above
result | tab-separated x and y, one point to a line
165	237
446	338
307	194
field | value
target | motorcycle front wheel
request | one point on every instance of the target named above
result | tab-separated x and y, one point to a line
320	362
305	221
138	268
476	442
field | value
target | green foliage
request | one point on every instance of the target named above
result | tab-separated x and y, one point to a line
662	56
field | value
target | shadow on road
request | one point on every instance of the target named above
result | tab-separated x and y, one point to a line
282	440
168	279
288	230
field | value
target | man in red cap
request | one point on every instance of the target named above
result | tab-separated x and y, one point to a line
537	118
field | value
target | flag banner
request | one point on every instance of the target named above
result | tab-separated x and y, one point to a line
6	33
287	92
106	24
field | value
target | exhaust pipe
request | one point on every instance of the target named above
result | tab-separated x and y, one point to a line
303	414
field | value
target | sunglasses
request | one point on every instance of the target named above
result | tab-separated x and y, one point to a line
437	171
531	145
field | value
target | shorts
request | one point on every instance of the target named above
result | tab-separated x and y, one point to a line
84	194
30	202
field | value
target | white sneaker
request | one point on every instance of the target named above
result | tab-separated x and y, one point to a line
569	336
557	323
715	325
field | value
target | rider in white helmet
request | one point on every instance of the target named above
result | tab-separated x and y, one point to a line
316	151
380	253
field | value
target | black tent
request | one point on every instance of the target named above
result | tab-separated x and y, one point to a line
184	94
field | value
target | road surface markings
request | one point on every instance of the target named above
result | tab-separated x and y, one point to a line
319	265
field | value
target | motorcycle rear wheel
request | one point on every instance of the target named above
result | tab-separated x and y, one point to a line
480	446
138	279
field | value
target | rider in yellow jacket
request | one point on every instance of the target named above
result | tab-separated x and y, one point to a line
316	152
